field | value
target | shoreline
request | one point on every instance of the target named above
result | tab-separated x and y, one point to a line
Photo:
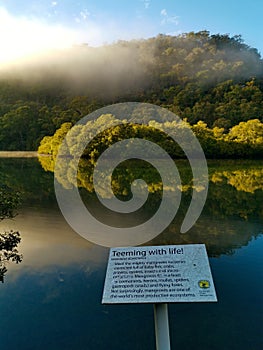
18	154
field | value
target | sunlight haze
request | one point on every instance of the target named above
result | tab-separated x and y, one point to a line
31	28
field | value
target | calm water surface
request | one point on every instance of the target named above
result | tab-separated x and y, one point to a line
52	300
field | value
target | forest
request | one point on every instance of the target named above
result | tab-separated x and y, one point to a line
213	82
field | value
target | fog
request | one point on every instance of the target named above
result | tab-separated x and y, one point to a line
104	70
122	68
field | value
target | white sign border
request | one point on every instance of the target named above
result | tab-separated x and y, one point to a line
200	281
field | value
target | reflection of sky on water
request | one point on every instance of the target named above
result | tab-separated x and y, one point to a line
52	300
47	240
221	236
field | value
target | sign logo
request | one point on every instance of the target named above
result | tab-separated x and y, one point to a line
72	148
204	284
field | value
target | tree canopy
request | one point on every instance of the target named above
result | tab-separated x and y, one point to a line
244	140
217	79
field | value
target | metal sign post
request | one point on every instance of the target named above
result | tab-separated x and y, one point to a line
161	322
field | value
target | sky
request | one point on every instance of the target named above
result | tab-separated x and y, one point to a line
30	27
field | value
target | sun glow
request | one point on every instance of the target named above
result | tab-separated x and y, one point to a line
22	38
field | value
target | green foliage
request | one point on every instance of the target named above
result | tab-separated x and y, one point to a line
8	251
250	132
235	191
244	140
10	199
8	243
8	240
246	180
49	144
214	78
235	187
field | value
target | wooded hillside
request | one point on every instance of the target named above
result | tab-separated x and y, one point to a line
216	79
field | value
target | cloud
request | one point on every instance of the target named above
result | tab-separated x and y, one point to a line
173	19
84	14
24	37
175	33
147	4
164	12
166	19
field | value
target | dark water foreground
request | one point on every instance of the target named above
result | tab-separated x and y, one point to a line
52	300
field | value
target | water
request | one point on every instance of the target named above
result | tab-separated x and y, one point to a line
52	300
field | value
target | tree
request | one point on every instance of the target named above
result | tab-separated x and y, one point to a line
8	240
198	76
250	132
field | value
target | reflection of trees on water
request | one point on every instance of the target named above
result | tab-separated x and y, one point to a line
234	203
232	192
219	236
8	240
246	180
237	193
227	201
122	177
8	251
26	177
9	202
234	200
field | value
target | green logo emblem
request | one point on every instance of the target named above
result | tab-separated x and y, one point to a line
204	284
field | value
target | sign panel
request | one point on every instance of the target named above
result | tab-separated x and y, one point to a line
158	274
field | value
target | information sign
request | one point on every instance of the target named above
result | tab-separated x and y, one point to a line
158	274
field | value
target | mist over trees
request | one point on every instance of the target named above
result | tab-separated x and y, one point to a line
216	79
